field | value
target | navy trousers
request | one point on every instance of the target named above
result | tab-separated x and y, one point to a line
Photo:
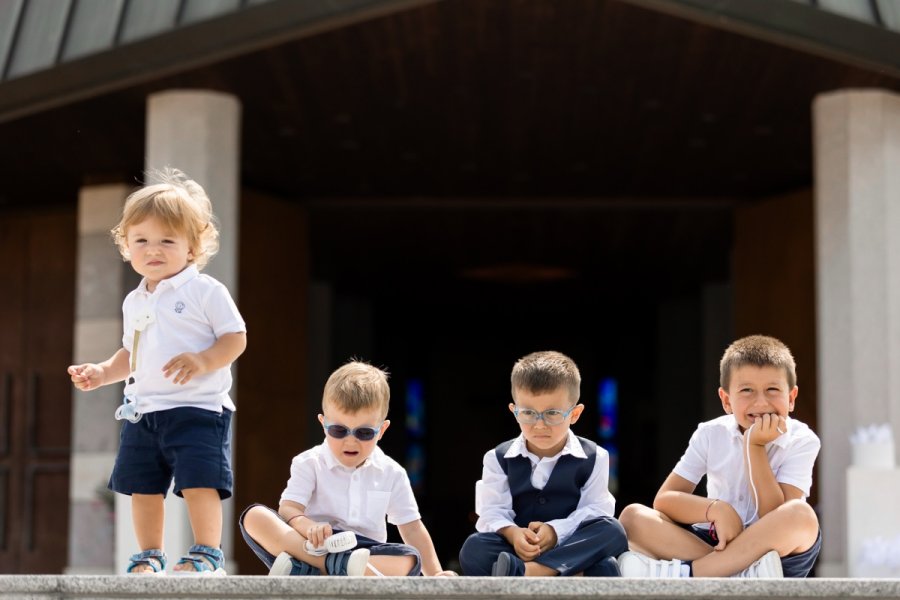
588	550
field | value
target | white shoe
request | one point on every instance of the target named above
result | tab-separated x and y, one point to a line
769	566
635	564
281	566
356	564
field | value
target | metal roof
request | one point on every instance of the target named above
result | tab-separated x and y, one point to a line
53	52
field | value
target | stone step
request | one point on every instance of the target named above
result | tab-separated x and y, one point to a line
72	587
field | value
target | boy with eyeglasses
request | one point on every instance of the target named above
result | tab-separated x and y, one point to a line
345	484
542	502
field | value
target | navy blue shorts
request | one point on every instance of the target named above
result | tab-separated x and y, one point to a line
191	445
375	547
797	565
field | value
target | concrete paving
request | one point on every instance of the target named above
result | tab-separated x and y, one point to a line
87	587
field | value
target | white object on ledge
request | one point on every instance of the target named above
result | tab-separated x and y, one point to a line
873	447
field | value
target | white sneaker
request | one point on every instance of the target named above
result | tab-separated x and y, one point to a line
769	566
359	560
635	564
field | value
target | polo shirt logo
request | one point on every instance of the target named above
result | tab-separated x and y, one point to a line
179	306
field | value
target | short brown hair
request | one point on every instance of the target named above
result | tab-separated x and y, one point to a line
546	372
358	386
759	351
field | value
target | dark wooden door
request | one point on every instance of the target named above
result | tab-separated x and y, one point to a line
37	279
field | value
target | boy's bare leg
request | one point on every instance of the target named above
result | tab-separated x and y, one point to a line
205	513
148	517
276	537
789	529
655	535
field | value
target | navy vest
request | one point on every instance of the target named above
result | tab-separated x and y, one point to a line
560	496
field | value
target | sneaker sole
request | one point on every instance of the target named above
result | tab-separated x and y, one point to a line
282	565
356	565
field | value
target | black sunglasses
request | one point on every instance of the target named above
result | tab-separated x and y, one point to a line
363	434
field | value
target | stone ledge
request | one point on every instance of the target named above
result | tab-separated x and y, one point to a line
88	587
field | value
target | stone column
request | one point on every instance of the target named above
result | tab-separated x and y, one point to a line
100	288
198	132
857	180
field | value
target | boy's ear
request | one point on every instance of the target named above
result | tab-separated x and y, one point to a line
726	401
384	427
792	397
321	419
576	412
512	407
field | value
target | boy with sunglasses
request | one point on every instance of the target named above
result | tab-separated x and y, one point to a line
345	484
543	504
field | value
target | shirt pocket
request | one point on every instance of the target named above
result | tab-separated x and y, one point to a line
377	506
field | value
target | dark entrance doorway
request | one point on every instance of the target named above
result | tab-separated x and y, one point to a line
37	251
447	296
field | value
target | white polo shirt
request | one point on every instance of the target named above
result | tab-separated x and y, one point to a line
352	499
188	313
494	503
717	450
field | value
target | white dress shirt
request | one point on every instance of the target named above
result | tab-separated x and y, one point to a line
717	450
187	313
352	499
494	503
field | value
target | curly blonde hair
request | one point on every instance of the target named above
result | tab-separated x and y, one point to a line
181	204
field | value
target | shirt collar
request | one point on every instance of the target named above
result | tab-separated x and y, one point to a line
781	441
174	282
376	459
519	448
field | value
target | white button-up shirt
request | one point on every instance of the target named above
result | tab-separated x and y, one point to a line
351	499
188	313
717	450
494	502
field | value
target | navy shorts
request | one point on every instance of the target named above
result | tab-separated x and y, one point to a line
191	445
797	565
375	547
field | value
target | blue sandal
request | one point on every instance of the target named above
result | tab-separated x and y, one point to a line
205	560
155	559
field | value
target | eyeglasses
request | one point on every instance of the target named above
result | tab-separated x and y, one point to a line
363	434
551	416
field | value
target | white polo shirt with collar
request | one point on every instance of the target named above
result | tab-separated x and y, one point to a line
717	450
494	503
351	499
189	312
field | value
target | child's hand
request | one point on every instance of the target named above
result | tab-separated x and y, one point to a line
546	535
447	573
727	522
766	428
185	366
318	533
86	377
525	542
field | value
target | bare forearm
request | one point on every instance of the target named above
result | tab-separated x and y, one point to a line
116	367
682	507
771	496
225	351
418	537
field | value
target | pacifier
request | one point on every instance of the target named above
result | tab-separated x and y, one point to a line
339	542
127	411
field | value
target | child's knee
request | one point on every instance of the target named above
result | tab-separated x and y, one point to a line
801	515
631	516
253	517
